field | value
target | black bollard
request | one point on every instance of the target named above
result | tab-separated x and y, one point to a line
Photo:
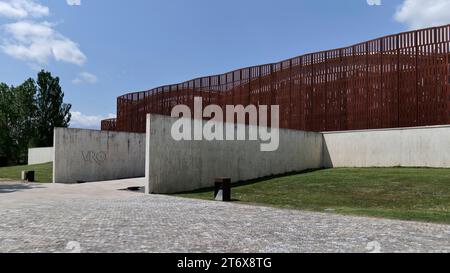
222	190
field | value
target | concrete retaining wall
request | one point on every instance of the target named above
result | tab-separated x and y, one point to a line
408	147
174	166
40	155
188	165
88	155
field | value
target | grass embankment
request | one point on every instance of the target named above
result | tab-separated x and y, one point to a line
400	193
43	173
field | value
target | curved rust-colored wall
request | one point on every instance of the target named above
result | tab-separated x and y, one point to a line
400	80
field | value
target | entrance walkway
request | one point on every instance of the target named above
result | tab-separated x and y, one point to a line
100	217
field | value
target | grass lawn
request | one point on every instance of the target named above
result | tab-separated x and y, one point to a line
43	172
400	193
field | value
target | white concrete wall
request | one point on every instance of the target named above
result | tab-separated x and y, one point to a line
88	155
40	155
408	147
188	165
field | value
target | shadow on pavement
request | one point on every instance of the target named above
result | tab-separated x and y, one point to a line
11	187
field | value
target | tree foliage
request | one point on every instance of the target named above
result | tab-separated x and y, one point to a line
51	112
28	114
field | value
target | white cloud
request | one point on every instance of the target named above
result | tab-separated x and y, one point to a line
20	9
85	77
34	41
424	13
79	120
74	2
38	42
374	2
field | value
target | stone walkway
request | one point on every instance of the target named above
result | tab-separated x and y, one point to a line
99	217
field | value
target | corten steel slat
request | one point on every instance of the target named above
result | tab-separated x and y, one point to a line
397	108
291	96
325	92
301	95
416	80
447	67
444	51
312	122
366	83
259	98
442	77
398	80
382	96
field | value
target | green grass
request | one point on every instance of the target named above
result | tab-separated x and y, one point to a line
400	193
43	172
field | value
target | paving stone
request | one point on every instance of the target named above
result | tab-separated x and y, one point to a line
53	219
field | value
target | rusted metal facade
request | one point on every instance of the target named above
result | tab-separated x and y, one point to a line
400	80
109	124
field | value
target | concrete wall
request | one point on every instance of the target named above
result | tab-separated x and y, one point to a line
188	165
408	147
88	155
40	155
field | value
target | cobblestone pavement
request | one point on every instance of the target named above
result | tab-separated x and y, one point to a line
99	218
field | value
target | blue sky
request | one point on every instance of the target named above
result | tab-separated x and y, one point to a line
104	48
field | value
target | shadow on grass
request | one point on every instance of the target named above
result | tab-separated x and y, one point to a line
249	182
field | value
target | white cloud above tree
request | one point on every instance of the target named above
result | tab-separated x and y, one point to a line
33	40
38	42
80	120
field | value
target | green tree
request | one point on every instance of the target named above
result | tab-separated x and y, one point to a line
5	110
28	115
51	111
17	108
24	112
